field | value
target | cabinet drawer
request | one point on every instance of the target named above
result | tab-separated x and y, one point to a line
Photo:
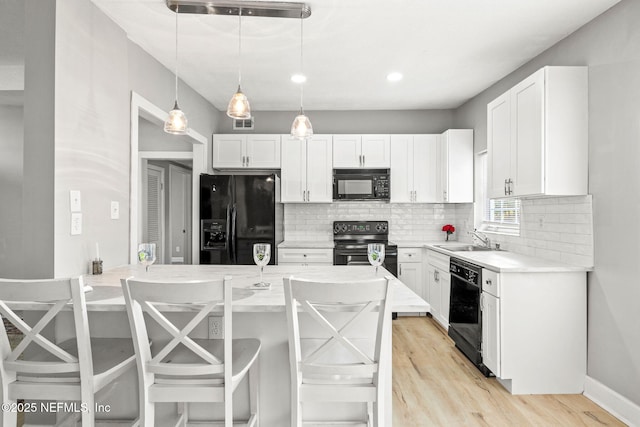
409	255
438	260
304	256
491	282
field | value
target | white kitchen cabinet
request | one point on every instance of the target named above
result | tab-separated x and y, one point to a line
439	282
455	166
410	269
361	151
490	306
414	158
253	151
537	135
534	330
307	170
305	256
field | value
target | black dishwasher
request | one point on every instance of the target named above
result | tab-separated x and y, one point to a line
465	317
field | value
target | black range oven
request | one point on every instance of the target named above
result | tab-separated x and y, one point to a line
351	239
465	317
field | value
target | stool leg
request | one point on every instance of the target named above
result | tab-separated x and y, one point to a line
254	390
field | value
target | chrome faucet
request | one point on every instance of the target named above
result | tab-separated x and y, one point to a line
484	239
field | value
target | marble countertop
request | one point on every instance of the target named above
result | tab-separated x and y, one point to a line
306	244
106	294
505	261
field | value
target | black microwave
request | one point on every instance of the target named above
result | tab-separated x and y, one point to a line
361	184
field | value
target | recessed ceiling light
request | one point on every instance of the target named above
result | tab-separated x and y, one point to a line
298	78
394	77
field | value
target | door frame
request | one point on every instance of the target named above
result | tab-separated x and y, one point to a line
141	107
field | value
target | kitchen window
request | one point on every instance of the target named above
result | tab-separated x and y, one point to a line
494	215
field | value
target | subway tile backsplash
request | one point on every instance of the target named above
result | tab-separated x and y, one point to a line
553	228
416	222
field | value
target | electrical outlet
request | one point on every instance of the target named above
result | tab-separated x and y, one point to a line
216	327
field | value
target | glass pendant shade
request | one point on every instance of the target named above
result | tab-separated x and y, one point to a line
176	123
301	127
239	107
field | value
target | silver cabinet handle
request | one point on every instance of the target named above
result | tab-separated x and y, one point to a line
364	160
247	160
400	270
505	187
308	196
488	282
243	160
510	184
304	196
482	302
444	195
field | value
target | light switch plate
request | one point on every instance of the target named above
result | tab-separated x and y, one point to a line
76	224
115	210
75	202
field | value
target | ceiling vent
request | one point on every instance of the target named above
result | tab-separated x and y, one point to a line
243	124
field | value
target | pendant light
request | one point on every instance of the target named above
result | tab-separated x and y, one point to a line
239	105
301	127
176	123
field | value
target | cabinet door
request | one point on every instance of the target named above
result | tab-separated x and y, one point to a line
263	151
442	170
491	332
229	151
347	151
376	151
527	135
459	166
320	169
499	145
445	295
410	273
293	173
401	168
425	168
434	291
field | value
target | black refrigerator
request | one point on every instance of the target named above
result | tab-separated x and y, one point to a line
237	211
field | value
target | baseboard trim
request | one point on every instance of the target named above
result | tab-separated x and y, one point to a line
618	405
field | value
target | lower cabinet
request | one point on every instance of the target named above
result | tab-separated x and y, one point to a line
534	330
439	282
305	256
410	271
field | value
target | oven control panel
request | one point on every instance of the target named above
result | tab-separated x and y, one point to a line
360	227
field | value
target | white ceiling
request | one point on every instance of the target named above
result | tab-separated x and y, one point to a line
448	50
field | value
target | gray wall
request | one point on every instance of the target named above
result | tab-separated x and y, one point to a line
11	147
80	141
423	121
610	46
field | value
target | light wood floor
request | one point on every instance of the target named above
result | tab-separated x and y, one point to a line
435	385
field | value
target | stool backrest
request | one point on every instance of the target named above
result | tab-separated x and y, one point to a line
336	350
156	297
53	295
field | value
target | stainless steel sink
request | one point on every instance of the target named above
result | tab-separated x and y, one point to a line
464	248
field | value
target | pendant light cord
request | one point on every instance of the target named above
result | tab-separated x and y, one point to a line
239	46
177	54
301	61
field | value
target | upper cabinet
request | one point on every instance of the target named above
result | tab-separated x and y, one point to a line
454	178
361	151
307	172
246	151
537	135
414	162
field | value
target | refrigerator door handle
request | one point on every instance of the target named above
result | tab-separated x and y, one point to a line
234	259
227	242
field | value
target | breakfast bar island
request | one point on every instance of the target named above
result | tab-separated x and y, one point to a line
257	313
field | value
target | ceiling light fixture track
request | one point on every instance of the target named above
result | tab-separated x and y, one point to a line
270	9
